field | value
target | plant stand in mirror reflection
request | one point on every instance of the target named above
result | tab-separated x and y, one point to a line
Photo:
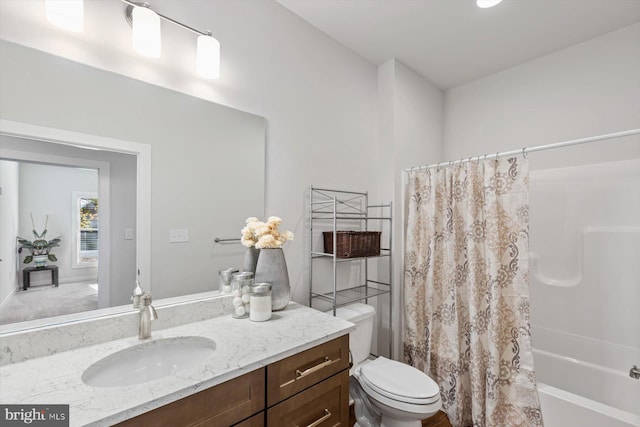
40	248
26	275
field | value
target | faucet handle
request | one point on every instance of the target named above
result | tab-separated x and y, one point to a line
146	298
146	302
138	292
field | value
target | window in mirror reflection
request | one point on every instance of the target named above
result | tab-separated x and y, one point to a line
86	229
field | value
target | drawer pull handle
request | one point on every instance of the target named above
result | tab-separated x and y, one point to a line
302	374
319	421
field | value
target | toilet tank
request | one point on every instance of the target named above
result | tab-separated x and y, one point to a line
360	339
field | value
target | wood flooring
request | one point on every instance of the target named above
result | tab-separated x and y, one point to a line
438	420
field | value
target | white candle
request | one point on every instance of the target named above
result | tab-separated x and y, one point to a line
260	302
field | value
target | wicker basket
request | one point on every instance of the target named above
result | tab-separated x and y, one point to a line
353	244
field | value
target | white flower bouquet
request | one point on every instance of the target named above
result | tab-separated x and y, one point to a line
264	235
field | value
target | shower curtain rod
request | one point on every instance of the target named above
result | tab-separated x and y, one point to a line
531	149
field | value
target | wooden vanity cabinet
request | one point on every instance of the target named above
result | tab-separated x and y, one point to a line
324	404
256	421
309	389
222	405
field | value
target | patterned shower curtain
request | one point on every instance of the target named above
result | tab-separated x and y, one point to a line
466	290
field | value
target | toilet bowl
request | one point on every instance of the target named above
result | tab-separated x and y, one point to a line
386	393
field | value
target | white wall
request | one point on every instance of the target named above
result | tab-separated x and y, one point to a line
410	134
592	88
47	190
9	200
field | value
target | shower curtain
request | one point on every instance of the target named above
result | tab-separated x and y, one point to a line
466	295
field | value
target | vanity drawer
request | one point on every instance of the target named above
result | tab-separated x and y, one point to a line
323	405
222	405
300	371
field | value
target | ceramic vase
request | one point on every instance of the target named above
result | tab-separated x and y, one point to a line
250	259
40	260
272	268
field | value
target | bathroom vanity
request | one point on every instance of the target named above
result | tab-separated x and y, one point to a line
291	370
308	388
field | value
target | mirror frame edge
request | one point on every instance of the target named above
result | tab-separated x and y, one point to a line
143	184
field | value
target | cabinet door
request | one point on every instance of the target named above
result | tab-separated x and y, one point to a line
323	405
221	405
300	371
256	421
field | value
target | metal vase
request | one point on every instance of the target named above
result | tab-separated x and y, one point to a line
250	259
272	268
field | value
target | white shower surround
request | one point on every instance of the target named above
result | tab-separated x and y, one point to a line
585	232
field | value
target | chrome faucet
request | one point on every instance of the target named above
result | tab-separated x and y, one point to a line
147	314
634	372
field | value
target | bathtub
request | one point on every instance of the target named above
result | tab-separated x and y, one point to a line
585	325
576	393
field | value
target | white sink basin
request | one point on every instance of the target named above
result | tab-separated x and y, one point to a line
149	361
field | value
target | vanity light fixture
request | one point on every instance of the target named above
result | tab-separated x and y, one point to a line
208	56
145	35
487	3
146	38
66	14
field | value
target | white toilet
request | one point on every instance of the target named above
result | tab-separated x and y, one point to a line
386	393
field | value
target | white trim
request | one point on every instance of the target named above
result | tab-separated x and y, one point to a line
143	190
399	338
75	228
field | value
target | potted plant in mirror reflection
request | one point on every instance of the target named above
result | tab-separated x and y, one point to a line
39	247
265	258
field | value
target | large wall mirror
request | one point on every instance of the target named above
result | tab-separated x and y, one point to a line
203	169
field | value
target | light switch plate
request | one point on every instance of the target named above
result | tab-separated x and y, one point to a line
178	236
128	234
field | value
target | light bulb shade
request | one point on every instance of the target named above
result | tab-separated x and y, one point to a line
208	57
487	3
146	32
66	14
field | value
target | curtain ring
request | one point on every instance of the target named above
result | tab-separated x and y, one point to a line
524	152
485	156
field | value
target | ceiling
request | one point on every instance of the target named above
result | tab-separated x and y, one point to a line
451	42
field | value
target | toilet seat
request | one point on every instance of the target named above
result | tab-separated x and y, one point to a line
399	382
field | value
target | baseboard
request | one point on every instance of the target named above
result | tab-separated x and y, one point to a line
61	281
438	420
7	299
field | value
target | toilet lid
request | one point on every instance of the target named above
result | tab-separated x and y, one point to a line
398	381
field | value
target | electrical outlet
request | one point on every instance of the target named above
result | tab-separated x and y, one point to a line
178	236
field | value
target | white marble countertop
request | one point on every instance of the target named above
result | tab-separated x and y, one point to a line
241	346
